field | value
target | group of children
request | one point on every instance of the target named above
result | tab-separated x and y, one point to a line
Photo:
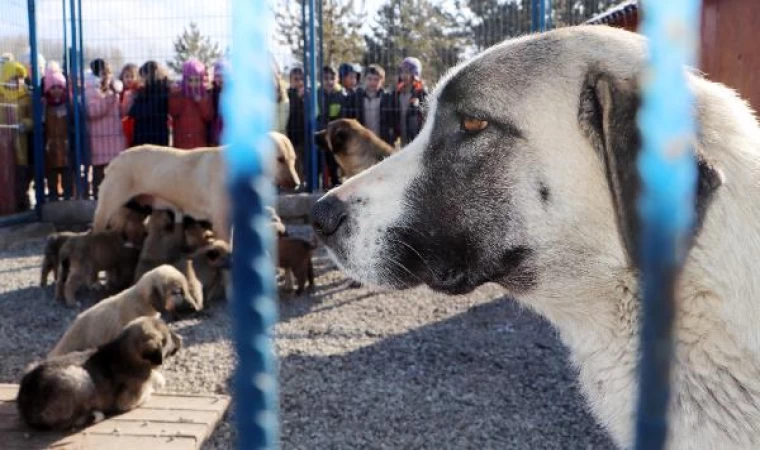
140	106
393	115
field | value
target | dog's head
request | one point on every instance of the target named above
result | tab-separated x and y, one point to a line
285	174
216	254
524	174
130	221
148	341
165	288
197	233
352	144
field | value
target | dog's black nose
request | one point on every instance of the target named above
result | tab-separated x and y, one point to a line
327	215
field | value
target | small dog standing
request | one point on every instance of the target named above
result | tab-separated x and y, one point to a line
161	290
81	388
51	257
294	256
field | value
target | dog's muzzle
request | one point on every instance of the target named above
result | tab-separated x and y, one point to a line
327	215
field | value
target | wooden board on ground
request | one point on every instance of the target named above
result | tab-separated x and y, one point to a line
166	422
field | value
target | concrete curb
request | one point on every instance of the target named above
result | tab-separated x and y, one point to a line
290	207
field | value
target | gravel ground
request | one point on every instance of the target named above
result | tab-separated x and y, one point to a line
359	368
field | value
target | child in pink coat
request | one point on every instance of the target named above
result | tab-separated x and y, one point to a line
191	108
104	123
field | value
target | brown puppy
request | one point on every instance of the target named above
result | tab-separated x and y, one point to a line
81	388
195	182
163	244
161	290
356	148
51	258
294	256
82	257
211	265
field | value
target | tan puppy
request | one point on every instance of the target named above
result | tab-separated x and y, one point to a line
163	244
356	148
82	257
163	289
50	259
193	181
294	256
81	388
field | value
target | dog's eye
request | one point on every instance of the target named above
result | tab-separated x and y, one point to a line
177	291
472	125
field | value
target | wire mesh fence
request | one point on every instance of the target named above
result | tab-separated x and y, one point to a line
118	73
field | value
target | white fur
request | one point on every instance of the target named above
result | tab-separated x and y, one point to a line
585	286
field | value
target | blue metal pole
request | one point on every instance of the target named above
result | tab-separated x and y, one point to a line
669	179
312	110
248	104
534	13
39	155
74	78
64	64
306	132
84	130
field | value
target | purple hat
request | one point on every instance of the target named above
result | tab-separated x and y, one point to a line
413	65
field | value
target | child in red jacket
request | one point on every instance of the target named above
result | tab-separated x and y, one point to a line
191	108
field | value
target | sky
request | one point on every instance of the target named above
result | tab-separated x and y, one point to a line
142	29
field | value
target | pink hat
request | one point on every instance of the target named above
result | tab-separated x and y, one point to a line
193	67
53	77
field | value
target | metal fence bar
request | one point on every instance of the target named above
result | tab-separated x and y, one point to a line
247	104
76	88
39	146
668	173
311	146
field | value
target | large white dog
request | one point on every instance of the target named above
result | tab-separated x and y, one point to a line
525	175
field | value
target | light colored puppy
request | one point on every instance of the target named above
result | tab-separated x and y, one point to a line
355	147
81	388
161	290
525	174
193	181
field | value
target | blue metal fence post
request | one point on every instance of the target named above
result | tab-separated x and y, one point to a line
666	205
538	15
248	104
74	79
312	110
39	155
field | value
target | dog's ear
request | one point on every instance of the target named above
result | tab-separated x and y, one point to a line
607	115
206	225
321	140
158	299
188	221
339	137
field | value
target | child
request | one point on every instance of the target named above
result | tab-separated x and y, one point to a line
104	123
411	93
352	94
190	108
377	108
129	78
55	101
296	115
282	104
150	108
217	124
330	100
16	118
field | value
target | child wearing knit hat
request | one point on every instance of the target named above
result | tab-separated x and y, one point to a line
410	95
191	108
56	113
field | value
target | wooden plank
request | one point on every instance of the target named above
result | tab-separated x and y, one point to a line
191	402
19	440
197	431
7	409
8	392
168	415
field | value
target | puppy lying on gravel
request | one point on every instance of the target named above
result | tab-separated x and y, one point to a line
161	290
81	388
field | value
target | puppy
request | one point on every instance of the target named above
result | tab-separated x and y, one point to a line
50	259
161	290
211	265
81	388
193	181
356	148
163	243
294	256
82	257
